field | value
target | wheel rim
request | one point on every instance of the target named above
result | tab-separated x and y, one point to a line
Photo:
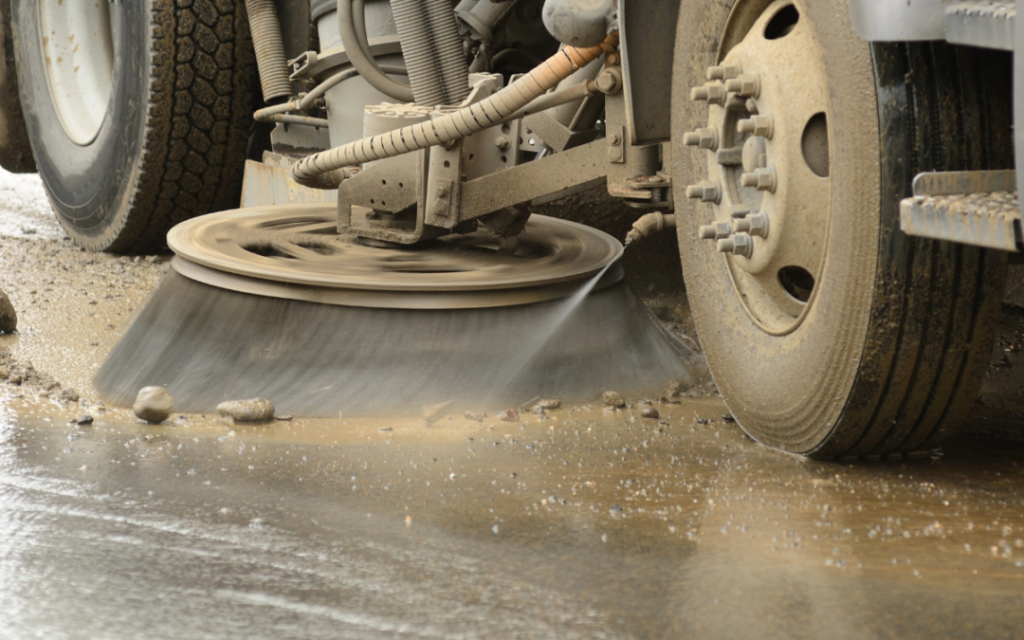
77	41
767	148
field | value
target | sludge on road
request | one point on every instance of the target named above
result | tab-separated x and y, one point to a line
589	523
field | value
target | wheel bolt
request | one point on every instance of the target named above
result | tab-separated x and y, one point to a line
712	92
761	179
703	138
707	191
724	72
760	126
715	231
755	224
746	86
751	105
742	245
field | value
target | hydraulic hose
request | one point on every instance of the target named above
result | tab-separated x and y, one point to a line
361	59
269	46
418	51
448	51
459	124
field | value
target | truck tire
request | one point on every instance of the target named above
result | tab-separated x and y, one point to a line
828	331
138	112
15	150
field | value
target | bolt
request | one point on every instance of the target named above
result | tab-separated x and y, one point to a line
609	80
706	191
712	92
742	245
612	59
760	126
726	246
704	138
761	179
503	143
724	72
755	225
752	106
615	140
716	231
746	85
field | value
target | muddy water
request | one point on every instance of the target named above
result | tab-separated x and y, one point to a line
587	524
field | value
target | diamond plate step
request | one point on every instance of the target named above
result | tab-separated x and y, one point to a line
982	219
981	23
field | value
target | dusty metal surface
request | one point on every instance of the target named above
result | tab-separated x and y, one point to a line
982	219
299	245
982	23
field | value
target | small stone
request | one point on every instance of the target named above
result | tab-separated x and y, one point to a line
702	421
153	404
283	418
650	412
613	399
509	416
728	418
4	373
252	410
385	429
8	316
16	378
84	420
476	417
549	404
69	395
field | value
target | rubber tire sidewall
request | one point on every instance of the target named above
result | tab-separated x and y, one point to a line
89	186
787	391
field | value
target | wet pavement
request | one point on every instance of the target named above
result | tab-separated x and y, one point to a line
584	523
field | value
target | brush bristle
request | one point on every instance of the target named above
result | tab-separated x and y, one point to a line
207	345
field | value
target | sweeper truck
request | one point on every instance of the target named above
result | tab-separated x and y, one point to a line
839	174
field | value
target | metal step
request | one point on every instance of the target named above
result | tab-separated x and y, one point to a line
982	219
981	23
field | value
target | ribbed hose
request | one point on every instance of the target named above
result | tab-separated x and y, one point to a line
362	61
448	51
418	51
453	126
269	45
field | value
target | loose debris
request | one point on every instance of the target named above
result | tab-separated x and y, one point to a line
613	399
255	410
153	404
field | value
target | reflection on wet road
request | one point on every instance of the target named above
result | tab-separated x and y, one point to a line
591	524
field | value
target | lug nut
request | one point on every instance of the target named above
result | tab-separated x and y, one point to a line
707	191
742	245
716	231
755	224
712	92
761	179
703	138
745	86
503	142
752	106
760	126
724	72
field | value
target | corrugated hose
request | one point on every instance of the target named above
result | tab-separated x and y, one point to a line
452	126
269	46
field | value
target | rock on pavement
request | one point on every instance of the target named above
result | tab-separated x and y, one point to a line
8	317
153	404
254	410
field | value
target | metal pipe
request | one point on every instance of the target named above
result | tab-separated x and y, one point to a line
269	46
361	60
459	124
306	101
650	224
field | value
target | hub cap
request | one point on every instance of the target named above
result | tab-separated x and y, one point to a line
78	52
767	155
